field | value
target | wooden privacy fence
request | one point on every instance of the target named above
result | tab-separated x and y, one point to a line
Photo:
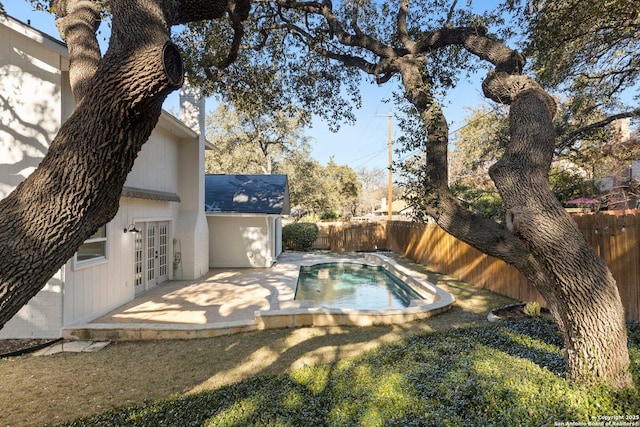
615	235
351	237
429	245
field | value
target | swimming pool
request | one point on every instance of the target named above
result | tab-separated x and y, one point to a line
353	285
298	312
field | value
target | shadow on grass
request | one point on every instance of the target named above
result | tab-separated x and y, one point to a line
469	372
500	375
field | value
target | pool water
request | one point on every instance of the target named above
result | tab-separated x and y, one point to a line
353	285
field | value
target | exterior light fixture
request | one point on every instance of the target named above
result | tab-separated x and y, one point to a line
131	229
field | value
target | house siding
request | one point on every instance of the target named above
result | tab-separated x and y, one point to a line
37	99
159	170
42	317
34	104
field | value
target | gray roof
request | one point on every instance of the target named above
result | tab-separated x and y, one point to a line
248	194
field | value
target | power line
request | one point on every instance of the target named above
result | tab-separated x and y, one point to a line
371	129
364	159
449	135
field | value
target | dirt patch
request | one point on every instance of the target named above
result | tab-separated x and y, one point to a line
10	347
514	312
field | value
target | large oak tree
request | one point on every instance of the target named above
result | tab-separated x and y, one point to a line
77	186
425	50
425	46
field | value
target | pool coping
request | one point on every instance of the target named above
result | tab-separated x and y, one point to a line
307	313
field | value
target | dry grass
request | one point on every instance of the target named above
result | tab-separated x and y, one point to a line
53	389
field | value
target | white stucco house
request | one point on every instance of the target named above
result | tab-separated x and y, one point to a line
244	215
160	232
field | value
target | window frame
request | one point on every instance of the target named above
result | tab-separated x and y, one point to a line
84	263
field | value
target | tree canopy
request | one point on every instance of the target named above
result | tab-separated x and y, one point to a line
253	141
587	48
272	71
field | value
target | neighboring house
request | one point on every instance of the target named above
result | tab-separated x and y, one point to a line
399	210
160	231
621	184
244	214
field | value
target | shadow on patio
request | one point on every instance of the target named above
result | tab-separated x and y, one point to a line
222	302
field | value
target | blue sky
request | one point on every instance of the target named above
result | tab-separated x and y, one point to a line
363	144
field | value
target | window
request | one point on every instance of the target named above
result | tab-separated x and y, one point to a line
94	248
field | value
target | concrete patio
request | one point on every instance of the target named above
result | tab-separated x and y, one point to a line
225	301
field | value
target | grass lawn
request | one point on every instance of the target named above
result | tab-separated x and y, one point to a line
507	375
454	369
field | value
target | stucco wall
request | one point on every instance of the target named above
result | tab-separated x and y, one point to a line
192	231
241	241
192	243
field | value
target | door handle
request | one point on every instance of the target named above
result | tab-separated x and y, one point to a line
156	254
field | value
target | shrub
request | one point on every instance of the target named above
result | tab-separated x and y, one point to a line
329	215
532	309
299	236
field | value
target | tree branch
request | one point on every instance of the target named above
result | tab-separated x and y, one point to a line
451	10
199	10
335	27
309	40
402	25
568	139
238	12
474	40
354	21
77	22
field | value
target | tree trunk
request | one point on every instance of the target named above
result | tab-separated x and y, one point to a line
587	304
540	239
76	188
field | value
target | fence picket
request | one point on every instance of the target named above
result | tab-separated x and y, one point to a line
615	235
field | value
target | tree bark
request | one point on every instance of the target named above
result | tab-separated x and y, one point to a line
587	304
77	186
540	239
482	233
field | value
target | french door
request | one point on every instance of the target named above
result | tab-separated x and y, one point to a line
151	255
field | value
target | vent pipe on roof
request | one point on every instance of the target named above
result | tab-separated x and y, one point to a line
192	108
